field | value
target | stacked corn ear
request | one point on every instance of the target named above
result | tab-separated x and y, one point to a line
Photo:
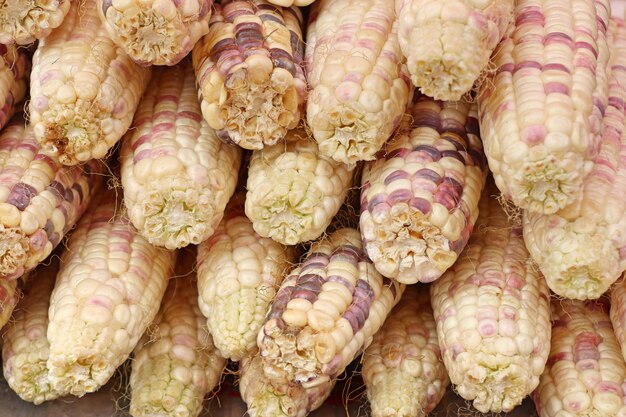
359	82
585	373
156	32
293	190
40	199
15	68
24	21
326	311
580	249
448	44
493	314
239	273
402	369
10	294
175	364
177	175
84	89
25	349
249	71
618	312
541	113
264	397
107	292
419	199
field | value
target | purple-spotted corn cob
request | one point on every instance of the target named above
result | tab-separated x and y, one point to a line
40	199
249	72
419	200
265	397
293	190
618	312
177	175
541	113
10	294
402	368
107	292
25	349
156	32
448	43
84	89
15	67
24	21
239	273
493	314
358	77
585	375
581	249
326	311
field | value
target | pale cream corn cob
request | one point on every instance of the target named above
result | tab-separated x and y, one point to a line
239	273
358	77
40	199
25	349
177	175
402	369
617	295
107	292
419	200
585	374
265	397
84	89
326	311
493	314
10	294
293	190
581	249
175	364
25	21
448	44
249	72
15	68
541	113
156	32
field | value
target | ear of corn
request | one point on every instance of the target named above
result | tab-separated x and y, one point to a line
239	273
107	292
419	200
493	314
541	113
177	175
249	71
40	199
359	81
15	68
156	32
293	190
402	368
10	294
585	373
326	311
25	21
618	312
84	89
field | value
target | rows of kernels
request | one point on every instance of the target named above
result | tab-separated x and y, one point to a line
15	71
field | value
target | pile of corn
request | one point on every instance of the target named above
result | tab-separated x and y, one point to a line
176	181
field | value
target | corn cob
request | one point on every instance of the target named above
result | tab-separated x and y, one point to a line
358	77
176	363
25	21
419	200
249	71
325	312
493	314
107	292
25	350
10	294
15	69
239	273
290	3
293	191
266	398
402	368
177	175
541	114
585	373
156	32
40	200
617	312
84	89
448	44
580	249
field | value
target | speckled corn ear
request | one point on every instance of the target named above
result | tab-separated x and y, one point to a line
15	68
24	21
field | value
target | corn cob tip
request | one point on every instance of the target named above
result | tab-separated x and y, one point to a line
14	249
25	21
